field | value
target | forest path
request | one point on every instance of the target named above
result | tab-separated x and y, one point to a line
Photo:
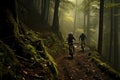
81	67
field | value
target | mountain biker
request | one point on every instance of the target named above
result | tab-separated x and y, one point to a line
82	38
70	40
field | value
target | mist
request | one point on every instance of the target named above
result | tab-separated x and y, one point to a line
77	17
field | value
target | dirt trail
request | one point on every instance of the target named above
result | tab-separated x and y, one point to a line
79	68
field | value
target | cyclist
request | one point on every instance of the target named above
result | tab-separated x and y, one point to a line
70	40
82	38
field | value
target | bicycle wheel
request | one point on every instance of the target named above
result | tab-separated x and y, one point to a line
71	51
82	47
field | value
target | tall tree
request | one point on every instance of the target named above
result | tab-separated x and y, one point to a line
111	32
86	9
44	10
47	10
116	22
43	7
101	26
55	24
75	17
88	22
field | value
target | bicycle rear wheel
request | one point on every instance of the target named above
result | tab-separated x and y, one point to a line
71	51
83	47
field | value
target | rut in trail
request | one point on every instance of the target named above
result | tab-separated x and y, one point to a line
81	67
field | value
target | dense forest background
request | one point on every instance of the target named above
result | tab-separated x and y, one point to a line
54	19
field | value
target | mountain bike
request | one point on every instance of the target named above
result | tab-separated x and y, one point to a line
71	49
83	46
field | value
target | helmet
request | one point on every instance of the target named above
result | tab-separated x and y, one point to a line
71	33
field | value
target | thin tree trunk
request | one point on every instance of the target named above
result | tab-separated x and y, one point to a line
111	34
85	23
47	10
74	28
116	57
88	25
43	7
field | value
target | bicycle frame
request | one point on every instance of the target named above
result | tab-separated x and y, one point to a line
71	49
83	46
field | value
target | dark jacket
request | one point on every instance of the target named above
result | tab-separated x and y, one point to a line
82	37
70	38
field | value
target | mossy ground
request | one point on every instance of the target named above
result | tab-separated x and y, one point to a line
30	49
104	65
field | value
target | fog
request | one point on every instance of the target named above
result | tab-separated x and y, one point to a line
82	16
78	16
71	20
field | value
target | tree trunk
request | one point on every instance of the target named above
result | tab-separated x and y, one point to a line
88	25
111	33
8	21
43	7
116	47
55	25
101	26
47	10
75	18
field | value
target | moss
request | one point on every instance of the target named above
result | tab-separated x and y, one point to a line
29	51
32	36
36	50
105	66
54	46
52	65
26	45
